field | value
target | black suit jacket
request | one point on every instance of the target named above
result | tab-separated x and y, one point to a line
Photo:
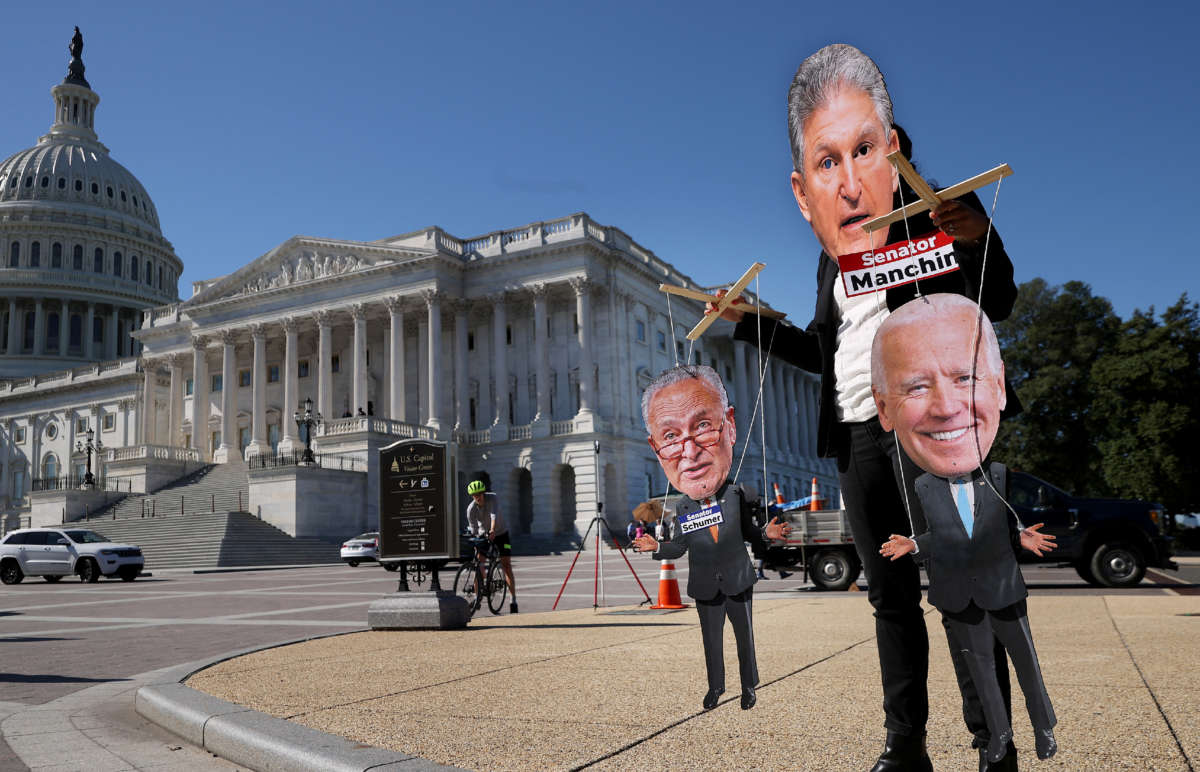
723	565
981	567
813	348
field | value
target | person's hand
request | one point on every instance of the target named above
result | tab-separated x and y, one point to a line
729	313
645	543
1035	542
960	221
492	535
897	545
776	530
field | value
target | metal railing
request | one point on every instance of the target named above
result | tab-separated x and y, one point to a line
74	482
343	462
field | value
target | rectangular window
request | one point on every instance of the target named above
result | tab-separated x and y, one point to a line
245	378
302	368
335	364
110	422
216	442
273	374
81	425
641	331
216	384
470	341
187	440
187	387
18	491
695	355
243	439
508	334
19	434
728	373
662	341
273	437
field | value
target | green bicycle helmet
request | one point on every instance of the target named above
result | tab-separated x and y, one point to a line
476	486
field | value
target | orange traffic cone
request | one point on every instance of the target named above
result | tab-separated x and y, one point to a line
778	495
815	503
668	588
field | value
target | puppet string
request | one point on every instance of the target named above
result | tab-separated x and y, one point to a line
671	318
759	401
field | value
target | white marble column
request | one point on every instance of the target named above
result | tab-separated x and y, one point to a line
587	375
500	355
291	386
541	353
794	408
148	399
358	391
396	363
228	447
110	343
64	328
813	394
39	328
781	407
89	332
175	404
744	413
200	396
462	404
258	379
433	305
324	321
12	348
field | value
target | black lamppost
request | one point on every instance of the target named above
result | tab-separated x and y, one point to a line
92	445
305	421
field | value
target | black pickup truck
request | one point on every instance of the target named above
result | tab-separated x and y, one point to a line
1110	542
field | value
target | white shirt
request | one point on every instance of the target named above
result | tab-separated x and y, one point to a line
858	319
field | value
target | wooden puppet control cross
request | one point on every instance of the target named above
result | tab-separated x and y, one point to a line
728	300
930	199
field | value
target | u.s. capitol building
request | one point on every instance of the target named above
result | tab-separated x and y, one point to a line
521	347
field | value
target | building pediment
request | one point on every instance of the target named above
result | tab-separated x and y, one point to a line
301	261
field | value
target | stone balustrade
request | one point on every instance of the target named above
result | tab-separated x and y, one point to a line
153	452
357	424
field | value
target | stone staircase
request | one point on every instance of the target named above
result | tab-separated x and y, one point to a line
213	488
199	521
212	540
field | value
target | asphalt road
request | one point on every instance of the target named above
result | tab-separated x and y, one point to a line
58	639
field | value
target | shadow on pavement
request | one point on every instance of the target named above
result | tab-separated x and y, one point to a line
46	678
34	639
574	627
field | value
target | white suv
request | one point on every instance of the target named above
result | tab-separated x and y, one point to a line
53	553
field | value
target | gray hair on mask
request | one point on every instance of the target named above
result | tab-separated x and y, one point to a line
934	308
819	77
677	374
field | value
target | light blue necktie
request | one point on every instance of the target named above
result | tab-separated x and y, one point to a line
964	506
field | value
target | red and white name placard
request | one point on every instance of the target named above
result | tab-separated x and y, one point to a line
897	264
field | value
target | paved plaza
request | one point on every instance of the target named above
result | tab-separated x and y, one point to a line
565	689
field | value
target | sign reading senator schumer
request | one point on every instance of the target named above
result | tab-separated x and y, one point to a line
897	264
415	517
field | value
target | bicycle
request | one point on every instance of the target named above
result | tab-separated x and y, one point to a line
495	586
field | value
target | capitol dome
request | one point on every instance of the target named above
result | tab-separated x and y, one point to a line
82	249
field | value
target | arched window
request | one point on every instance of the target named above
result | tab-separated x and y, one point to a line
78	185
98	261
35	254
117	263
56	255
14	254
50	466
77	257
149	274
133	267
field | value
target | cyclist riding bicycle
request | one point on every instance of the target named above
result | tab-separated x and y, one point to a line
484	519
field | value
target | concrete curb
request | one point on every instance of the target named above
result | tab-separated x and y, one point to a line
259	741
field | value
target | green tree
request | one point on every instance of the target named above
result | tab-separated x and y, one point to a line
1146	390
1050	343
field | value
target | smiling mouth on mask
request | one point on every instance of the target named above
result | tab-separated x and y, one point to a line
953	434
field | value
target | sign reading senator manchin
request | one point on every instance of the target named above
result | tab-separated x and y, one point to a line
897	264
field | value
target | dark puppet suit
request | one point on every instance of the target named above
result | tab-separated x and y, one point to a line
870	468
976	584
721	580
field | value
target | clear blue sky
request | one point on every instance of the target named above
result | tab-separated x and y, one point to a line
250	122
